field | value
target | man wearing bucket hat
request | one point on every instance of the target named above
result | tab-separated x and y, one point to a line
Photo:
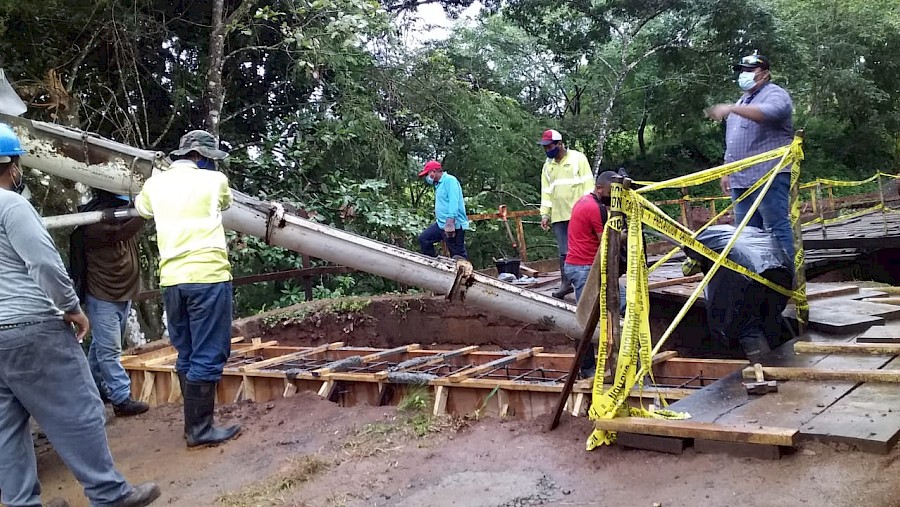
758	122
449	211
43	371
187	201
565	178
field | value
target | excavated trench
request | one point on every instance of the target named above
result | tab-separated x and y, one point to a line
392	321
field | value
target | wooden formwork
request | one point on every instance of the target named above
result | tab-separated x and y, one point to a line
522	383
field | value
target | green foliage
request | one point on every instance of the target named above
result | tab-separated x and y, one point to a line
328	111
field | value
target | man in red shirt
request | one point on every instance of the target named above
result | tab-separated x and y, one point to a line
585	231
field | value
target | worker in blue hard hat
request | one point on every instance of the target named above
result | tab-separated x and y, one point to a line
43	371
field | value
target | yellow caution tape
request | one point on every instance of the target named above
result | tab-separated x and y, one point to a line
715	173
635	348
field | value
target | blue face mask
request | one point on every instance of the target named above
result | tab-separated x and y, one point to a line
205	163
429	180
747	80
553	152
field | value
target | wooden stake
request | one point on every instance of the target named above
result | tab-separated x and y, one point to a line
440	400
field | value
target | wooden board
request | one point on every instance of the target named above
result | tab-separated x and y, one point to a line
889	333
834	318
847	348
751	434
867	418
823	375
887	312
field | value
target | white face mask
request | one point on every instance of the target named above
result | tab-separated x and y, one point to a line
746	80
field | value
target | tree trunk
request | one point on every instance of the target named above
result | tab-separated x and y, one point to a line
215	91
603	130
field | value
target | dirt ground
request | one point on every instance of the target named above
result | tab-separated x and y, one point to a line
304	451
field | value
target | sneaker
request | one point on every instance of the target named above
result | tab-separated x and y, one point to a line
141	495
130	407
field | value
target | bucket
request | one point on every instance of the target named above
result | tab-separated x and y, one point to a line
508	266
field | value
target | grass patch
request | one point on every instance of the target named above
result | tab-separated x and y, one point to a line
412	424
275	490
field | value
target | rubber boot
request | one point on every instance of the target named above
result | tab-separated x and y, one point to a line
565	285
182	382
199	404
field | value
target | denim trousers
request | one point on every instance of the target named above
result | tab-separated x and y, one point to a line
44	374
199	320
434	234
579	275
108	321
772	213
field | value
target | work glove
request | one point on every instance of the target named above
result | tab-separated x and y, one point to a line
450	227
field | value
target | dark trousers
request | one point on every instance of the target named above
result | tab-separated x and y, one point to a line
434	234
199	319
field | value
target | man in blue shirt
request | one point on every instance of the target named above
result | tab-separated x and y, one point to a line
758	122
449	210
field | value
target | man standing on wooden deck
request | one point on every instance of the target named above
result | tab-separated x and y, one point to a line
451	221
565	178
106	270
187	201
758	122
43	371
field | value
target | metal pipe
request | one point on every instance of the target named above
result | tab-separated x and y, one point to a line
87	218
268	221
122	169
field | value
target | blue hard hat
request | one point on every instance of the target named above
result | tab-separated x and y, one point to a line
9	142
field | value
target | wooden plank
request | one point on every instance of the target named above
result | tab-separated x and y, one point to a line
831	318
290	357
887	312
867	418
503	402
147	389
739	449
669	445
827	292
846	348
512	358
887	301
754	434
440	400
175	395
377	356
889	333
850	375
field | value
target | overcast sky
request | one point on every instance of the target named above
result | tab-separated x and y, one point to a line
430	22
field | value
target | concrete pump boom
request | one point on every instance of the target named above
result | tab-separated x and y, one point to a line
121	169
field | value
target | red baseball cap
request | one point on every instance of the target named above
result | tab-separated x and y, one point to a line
550	136
431	165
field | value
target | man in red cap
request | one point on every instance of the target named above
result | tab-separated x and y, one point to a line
565	178
449	211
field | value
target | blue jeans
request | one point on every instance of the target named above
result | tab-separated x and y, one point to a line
108	320
199	319
772	213
434	234
44	374
579	275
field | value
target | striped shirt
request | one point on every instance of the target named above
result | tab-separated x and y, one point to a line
563	183
745	138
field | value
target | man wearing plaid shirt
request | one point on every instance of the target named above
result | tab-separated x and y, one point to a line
758	122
